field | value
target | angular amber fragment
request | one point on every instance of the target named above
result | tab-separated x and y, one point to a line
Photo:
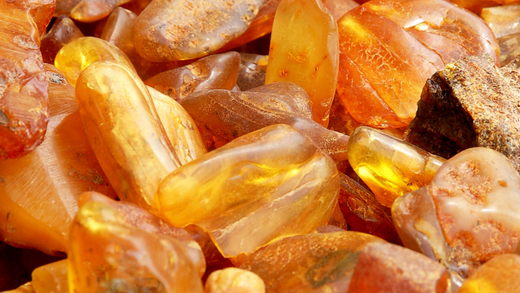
338	8
383	267
309	55
502	20
62	32
108	254
51	278
23	86
389	166
124	130
41	11
169	30
509	48
87	10
251	73
500	274
469	211
275	173
318	262
234	280
390	47
213	72
77	55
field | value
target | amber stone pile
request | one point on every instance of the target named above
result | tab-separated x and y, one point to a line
255	146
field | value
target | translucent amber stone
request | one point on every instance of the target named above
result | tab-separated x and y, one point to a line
62	32
124	131
23	86
318	262
41	11
87	10
309	55
25	288
500	274
108	254
338	8
62	99
77	55
251	72
274	173
477	5
389	48
212	72
502	20
51	278
234	280
170	30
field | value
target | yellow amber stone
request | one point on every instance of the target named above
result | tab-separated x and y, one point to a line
77	55
124	131
234	280
51	278
308	55
389	166
275	173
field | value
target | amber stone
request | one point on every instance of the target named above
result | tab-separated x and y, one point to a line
62	32
234	280
318	262
309	55
275	173
41	11
218	71
509	48
502	20
23	86
107	253
169	30
389	48
467	214
338	8
25	288
87	10
251	72
477	5
124	130
62	99
51	278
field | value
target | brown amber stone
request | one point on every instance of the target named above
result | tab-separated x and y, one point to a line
309	55
51	278
390	47
62	32
274	173
109	253
87	10
469	211
212	72
124	130
169	30
23	86
251	72
234	280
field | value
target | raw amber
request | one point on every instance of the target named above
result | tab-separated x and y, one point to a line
51	278
108	254
169	30
275	173
390	47
234	280
124	131
62	32
309	55
77	55
41	11
62	99
23	86
389	166
87	10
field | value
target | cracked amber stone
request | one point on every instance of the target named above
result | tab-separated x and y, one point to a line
275	173
308	55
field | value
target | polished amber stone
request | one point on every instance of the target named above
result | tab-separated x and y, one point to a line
275	173
87	10
62	32
477	5
251	72
231	280
51	278
502	20
309	55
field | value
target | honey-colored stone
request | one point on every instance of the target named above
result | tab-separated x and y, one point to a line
169	30
234	280
51	278
87	10
125	132
502	20
251	72
41	11
478	5
62	32
309	55
275	173
338	8
62	99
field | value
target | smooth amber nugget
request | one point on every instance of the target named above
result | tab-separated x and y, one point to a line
389	166
169	30
502	20
62	32
124	130
234	280
107	254
23	86
308	55
77	55
275	173
51	278
87	10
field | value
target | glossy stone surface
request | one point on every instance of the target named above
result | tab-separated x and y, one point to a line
87	10
123	128
309	55
235	280
390	167
251	72
51	278
338	8
170	30
62	32
478	5
274	173
502	20
389	48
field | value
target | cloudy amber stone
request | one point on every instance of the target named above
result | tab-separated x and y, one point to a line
63	31
87	10
308	55
502	20
169	30
338	8
389	166
77	55
251	72
51	278
275	173
389	48
124	130
234	280
108	254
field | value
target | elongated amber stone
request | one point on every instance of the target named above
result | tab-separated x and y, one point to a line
389	166
309	55
51	278
62	32
124	131
77	55
274	173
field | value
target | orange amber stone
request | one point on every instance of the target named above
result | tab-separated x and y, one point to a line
62	32
338	8
308	55
87	10
477	5
51	278
234	280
